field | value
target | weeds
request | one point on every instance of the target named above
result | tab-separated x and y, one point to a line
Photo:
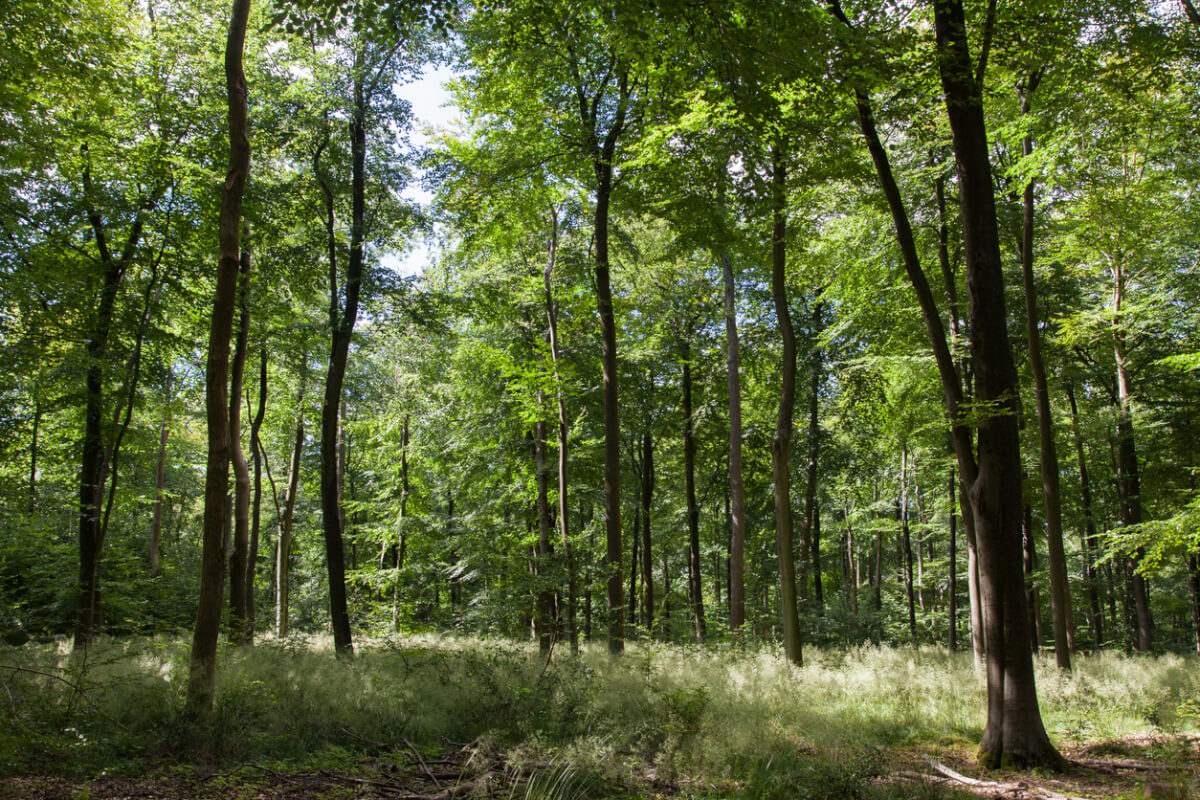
747	720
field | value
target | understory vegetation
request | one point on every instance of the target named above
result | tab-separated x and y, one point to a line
721	722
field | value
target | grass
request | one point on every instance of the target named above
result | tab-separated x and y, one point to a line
725	722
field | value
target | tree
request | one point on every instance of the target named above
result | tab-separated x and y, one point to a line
203	665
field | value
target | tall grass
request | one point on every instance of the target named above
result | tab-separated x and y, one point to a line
670	711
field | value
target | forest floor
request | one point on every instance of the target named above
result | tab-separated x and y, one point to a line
1145	768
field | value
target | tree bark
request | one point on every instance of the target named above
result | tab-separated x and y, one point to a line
284	543
342	326
563	431
695	584
811	537
1014	733
906	543
160	481
602	153
647	496
952	497
781	444
92	461
238	556
202	671
737	490
1091	540
1060	594
544	621
256	449
1128	477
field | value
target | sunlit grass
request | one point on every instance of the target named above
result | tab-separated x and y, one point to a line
717	713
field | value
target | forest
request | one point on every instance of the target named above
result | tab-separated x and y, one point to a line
735	400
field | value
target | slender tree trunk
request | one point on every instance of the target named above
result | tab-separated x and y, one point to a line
1128	478
1091	541
635	563
342	328
603	151
33	455
239	556
906	543
256	449
544	621
1193	561
1032	601
1014	733
646	501
160	481
284	542
811	536
92	462
737	491
202	671
1060	594
563	431
781	444
952	498
695	583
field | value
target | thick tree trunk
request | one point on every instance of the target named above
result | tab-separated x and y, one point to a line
1014	733
1060	594
202	671
695	584
782	443
239	555
737	491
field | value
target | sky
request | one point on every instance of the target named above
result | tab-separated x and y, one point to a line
433	109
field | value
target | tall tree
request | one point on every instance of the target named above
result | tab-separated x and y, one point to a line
203	667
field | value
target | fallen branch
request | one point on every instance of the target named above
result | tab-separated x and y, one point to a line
424	766
1014	788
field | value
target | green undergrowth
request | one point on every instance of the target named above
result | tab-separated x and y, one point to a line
722	721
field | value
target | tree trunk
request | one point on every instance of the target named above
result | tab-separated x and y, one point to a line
202	671
953	588
160	481
811	537
92	461
544	620
645	504
1032	602
695	584
1014	734
1060	594
563	431
737	491
284	543
239	633
1128	478
1090	542
342	329
33	455
256	449
906	543
781	444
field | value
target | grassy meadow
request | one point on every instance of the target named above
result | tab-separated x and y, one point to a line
708	722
